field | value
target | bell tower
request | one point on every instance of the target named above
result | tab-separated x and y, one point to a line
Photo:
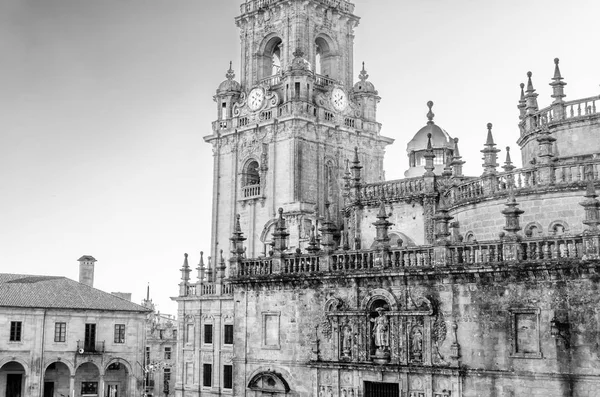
283	134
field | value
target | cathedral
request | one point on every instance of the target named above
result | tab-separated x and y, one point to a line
324	279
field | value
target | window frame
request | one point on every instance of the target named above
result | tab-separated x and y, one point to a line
16	331
60	332
514	313
277	317
228	381
168	353
226	334
205	334
119	334
207	380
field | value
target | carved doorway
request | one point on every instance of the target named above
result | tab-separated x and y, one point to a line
377	389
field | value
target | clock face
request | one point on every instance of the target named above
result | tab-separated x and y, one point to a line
256	98
338	98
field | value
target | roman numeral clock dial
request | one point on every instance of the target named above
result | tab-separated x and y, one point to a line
256	98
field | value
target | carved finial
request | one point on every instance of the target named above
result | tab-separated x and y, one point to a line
430	114
456	152
356	160
529	82
230	74
363	76
280	211
382	213
299	53
429	145
557	84
490	138
557	75
508	165
238	228
201	264
522	103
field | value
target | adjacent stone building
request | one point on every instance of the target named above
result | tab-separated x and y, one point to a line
59	337
326	280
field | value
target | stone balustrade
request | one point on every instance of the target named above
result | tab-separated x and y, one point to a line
554	248
250	191
570	110
390	190
255	5
562	174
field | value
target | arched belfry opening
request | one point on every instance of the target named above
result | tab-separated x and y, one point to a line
251	174
270	58
325	58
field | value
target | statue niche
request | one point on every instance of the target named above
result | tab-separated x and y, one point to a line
380	332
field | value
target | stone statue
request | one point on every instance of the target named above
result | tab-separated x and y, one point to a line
381	330
417	341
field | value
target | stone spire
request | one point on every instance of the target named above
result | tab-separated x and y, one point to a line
185	276
356	168
457	162
591	206
280	234
237	239
313	245
490	153
429	155
327	230
221	268
508	164
512	213
522	103
531	105
381	226
545	143
558	92
201	268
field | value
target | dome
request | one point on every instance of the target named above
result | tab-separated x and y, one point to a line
440	139
364	86
230	84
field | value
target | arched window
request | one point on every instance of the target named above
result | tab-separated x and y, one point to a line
558	228
269	384
251	174
325	59
270	58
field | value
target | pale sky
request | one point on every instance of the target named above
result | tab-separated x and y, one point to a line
104	104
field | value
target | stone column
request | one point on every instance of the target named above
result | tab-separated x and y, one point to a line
591	234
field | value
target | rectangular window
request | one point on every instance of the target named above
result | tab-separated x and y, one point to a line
119	333
297	89
207	375
60	332
228	377
208	334
15	331
167	374
89	388
167	352
90	338
228	337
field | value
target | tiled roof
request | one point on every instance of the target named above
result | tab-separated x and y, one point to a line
51	292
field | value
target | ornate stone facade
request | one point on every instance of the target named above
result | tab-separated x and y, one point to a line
339	283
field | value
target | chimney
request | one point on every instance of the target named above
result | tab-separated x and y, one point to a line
86	270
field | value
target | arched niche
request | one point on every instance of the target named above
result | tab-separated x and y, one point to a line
379	294
326	57
269	57
269	383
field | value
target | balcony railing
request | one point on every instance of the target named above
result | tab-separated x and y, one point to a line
250	191
555	248
90	348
